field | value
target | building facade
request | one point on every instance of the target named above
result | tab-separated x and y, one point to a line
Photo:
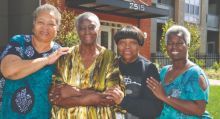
204	13
113	14
16	18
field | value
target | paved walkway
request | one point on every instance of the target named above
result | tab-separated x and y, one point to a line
214	82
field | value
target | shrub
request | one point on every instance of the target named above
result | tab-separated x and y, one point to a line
216	66
67	35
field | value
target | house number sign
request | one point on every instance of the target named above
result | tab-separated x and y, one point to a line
135	6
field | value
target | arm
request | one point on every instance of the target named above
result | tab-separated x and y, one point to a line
111	79
115	93
115	85
13	67
89	99
77	97
196	107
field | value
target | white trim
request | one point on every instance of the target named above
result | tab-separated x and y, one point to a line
109	26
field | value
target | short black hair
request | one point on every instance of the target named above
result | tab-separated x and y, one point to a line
130	32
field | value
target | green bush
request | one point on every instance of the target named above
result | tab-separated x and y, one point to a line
199	62
212	74
216	66
67	35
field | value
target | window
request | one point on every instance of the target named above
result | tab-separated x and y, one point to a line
104	39
187	8
108	30
196	10
192	11
211	47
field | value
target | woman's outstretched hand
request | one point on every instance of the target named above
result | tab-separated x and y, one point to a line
156	88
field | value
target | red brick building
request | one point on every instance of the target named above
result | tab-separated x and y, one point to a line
114	14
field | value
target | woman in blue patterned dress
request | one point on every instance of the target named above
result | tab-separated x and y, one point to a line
26	67
184	86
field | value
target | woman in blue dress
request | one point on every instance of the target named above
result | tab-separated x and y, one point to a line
27	67
184	87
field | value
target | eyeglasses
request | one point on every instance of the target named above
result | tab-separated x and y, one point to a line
178	44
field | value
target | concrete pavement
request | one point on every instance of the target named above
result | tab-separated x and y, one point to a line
214	82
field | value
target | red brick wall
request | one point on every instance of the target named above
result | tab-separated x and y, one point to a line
145	26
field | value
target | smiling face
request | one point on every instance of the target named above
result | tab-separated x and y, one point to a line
128	49
88	31
45	26
176	48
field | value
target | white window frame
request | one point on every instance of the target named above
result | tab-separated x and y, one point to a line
108	28
192	16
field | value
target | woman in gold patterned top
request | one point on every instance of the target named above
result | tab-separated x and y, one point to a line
88	84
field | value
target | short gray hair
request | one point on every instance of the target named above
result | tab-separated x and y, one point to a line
87	15
48	8
179	31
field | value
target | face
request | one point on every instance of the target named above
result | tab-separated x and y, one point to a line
45	27
176	48
128	49
88	31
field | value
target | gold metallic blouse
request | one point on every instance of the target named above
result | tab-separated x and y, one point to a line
103	73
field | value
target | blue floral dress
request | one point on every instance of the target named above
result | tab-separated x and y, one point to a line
27	98
186	87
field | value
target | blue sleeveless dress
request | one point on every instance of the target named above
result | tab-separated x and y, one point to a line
27	98
186	87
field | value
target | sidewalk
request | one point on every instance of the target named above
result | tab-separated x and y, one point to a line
214	82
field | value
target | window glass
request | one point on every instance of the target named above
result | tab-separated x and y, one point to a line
186	8
192	11
196	12
104	39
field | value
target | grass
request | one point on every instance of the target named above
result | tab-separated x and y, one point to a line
214	105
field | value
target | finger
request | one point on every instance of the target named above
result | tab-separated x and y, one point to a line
111	94
61	51
60	85
149	82
52	99
153	83
150	85
50	95
154	80
115	95
64	48
107	102
151	88
109	89
119	93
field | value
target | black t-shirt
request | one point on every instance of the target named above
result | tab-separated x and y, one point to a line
139	101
